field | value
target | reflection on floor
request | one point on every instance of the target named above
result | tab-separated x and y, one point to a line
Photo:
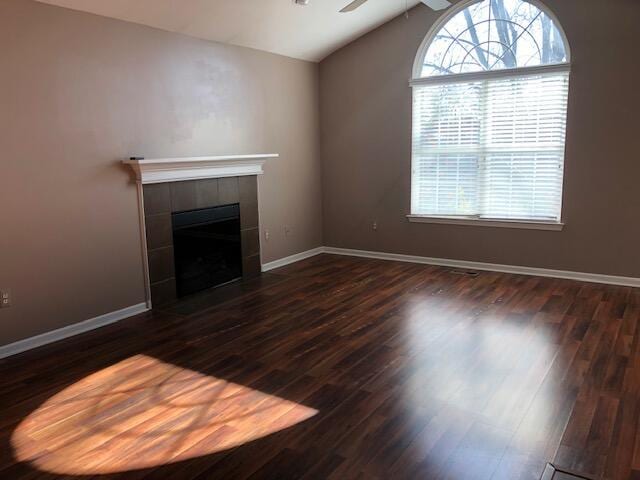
414	372
141	413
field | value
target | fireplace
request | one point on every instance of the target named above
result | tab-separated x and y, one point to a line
200	234
207	248
200	222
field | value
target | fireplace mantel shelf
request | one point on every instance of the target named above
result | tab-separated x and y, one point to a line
160	170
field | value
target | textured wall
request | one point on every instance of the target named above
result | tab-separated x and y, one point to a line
78	93
366	149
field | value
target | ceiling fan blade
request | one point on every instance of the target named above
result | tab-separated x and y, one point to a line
437	4
353	5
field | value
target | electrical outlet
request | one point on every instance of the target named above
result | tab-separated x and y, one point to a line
266	235
5	298
375	225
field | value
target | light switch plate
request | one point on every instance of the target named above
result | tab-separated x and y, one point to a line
5	298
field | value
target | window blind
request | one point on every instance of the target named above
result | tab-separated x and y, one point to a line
491	148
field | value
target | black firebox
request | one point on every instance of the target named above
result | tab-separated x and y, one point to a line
207	248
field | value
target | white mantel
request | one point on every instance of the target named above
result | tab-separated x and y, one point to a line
159	170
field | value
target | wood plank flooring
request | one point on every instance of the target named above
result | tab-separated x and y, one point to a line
340	368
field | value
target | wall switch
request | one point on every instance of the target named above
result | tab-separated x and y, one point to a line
287	230
5	298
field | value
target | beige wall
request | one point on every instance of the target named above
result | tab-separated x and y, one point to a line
366	142
79	92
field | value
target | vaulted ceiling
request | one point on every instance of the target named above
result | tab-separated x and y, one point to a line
280	26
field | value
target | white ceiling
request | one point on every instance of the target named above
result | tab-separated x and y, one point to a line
279	26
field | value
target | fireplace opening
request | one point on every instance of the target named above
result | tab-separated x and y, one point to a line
207	248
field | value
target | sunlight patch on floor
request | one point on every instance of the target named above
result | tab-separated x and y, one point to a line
142	413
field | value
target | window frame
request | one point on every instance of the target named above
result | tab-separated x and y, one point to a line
418	80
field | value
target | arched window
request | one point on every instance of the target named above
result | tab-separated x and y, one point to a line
490	87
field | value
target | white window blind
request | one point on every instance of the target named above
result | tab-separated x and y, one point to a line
490	148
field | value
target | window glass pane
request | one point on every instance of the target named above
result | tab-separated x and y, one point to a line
526	112
521	186
490	148
447	137
447	115
495	35
445	184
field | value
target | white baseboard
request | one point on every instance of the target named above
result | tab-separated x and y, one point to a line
292	259
106	319
492	267
71	330
445	262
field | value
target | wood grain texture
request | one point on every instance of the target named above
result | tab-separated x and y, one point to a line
340	368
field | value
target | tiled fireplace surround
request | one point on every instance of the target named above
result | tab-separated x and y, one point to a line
162	199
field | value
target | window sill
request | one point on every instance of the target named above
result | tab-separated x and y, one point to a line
518	224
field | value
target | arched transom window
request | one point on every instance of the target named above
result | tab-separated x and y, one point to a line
490	87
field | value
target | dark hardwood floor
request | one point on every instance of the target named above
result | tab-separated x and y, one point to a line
340	368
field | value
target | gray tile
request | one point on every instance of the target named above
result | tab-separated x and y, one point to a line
159	231
248	216
163	293
251	267
183	196
228	191
250	242
161	264
157	199
207	193
248	186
